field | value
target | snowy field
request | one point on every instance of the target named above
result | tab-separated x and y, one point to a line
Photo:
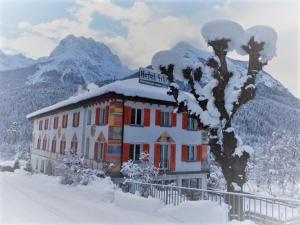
40	199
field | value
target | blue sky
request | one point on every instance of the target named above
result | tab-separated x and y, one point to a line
135	30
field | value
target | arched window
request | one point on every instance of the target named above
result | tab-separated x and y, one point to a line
100	148
53	146
39	143
62	148
74	144
44	143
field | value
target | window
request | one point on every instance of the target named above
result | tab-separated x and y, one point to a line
44	143
65	121
192	123
191	153
89	117
87	148
74	145
62	149
134	152
36	164
55	124
53	146
42	166
166	119
136	116
41	125
101	116
100	150
46	124
164	156
192	183
76	117
39	143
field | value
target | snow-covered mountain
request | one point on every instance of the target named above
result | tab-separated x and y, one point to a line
10	62
74	61
273	109
79	60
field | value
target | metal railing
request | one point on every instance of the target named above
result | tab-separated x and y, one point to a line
262	210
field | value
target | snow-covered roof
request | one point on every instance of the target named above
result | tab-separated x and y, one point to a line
129	87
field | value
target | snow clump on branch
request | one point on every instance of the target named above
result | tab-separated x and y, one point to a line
224	29
266	35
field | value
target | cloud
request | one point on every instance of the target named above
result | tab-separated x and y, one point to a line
28	44
151	30
144	40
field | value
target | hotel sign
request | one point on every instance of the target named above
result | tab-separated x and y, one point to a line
150	77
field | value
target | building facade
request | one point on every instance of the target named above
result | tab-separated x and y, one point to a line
116	123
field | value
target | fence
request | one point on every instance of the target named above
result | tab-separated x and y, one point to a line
262	210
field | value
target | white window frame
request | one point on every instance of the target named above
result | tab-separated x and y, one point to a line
100	150
166	121
135	151
135	117
165	163
89	117
192	123
192	148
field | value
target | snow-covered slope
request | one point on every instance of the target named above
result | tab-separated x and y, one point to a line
10	62
273	109
80	60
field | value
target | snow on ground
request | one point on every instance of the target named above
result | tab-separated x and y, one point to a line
40	199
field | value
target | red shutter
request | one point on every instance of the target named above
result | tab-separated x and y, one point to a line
73	123
147	117
184	120
97	116
96	151
157	117
174	119
204	152
127	115
156	155
104	151
78	119
184	153
126	149
199	153
173	157
106	114
146	148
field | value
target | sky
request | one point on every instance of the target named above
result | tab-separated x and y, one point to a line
136	30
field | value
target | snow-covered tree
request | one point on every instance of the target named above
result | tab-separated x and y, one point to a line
277	165
143	170
215	102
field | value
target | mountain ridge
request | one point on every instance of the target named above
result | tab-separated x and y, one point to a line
254	122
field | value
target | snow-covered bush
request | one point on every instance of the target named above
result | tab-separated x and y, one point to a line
73	170
142	171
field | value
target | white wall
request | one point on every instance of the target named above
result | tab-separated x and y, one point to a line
133	134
